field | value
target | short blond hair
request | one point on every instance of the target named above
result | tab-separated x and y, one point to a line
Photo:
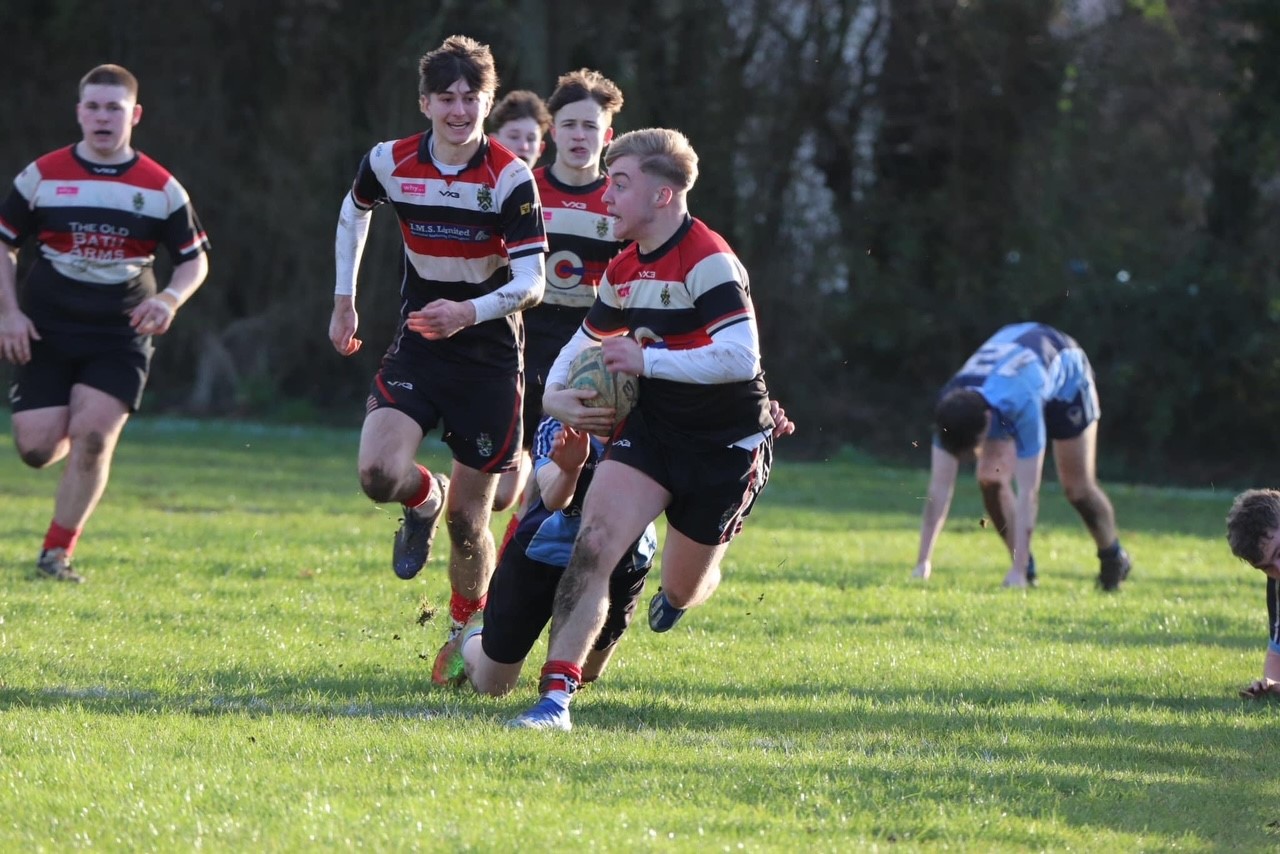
662	152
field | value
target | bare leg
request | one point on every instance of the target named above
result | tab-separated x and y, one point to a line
690	570
388	443
618	506
488	676
511	483
93	423
597	661
472	558
1076	460
41	436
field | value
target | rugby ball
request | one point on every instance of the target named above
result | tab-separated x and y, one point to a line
617	391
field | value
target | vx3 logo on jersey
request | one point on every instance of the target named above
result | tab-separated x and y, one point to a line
648	274
400	384
450	194
577	206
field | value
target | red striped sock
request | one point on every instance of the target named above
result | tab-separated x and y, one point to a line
59	537
461	608
424	489
560	676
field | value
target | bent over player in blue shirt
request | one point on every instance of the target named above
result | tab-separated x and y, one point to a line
1029	383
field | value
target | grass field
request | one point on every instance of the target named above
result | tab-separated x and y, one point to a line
243	671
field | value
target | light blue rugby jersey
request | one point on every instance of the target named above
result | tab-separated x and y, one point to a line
1020	369
548	535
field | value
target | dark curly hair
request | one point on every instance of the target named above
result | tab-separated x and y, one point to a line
1254	517
960	418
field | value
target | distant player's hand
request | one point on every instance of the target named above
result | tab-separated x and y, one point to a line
16	334
782	425
441	318
1260	688
342	327
152	316
622	353
1016	578
569	449
565	405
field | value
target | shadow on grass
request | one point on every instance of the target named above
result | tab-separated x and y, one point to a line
333	697
1076	757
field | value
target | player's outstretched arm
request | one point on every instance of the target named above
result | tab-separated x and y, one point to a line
1027	473
558	481
943	468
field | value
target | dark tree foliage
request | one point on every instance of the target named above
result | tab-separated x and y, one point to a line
900	178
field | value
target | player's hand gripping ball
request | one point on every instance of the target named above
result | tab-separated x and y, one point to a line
617	391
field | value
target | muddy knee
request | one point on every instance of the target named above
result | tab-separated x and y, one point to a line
465	528
37	458
378	484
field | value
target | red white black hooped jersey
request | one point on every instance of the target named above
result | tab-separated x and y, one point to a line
579	237
97	227
676	298
460	232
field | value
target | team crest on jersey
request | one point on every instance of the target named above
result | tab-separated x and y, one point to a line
138	202
602	227
484	197
665	296
484	445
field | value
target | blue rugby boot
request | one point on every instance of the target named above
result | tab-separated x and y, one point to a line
552	709
413	540
544	714
662	614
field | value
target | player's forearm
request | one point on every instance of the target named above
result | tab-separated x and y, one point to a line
186	280
1271	665
556	485
936	508
930	529
558	374
733	355
1026	507
8	280
943	468
1025	512
528	281
348	245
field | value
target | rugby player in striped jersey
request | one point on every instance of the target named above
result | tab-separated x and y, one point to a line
473	242
80	334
